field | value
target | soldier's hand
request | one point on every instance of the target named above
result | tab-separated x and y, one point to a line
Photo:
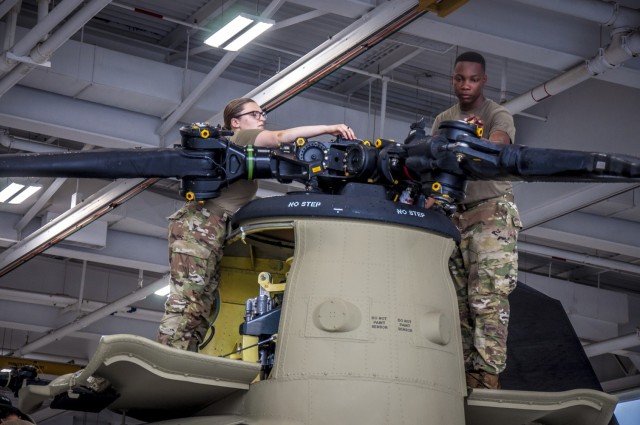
474	119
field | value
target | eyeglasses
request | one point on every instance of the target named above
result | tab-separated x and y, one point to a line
255	114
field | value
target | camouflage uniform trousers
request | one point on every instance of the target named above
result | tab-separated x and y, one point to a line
196	238
484	269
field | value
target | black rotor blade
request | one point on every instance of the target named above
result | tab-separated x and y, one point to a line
536	164
126	163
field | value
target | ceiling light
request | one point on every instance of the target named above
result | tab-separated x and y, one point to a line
240	31
163	292
22	196
9	191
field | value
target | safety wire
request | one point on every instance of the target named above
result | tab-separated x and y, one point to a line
185	75
259	343
221	166
211	326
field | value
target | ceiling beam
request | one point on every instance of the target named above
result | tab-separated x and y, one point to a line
613	344
535	213
593	233
578	258
84	321
73	220
38	111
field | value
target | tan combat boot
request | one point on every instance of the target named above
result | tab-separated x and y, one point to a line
483	379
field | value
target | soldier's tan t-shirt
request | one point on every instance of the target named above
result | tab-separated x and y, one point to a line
240	192
495	117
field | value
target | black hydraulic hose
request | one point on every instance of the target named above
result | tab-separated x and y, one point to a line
211	325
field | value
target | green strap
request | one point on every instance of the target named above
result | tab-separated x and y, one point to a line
250	162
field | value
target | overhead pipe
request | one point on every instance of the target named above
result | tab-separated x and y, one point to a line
64	301
503	81
6	6
36	298
38	32
42	52
605	13
44	27
13	77
383	105
90	318
613	344
10	27
624	46
83	280
12	142
43	9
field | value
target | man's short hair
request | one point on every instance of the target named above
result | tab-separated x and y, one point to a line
471	57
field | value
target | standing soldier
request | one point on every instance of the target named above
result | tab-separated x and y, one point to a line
197	231
484	267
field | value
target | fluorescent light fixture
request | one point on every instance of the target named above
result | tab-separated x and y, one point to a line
240	31
9	191
248	35
223	35
22	196
163	292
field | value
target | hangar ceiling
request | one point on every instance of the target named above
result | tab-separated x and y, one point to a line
126	74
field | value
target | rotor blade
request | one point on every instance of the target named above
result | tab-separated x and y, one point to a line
107	163
535	164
